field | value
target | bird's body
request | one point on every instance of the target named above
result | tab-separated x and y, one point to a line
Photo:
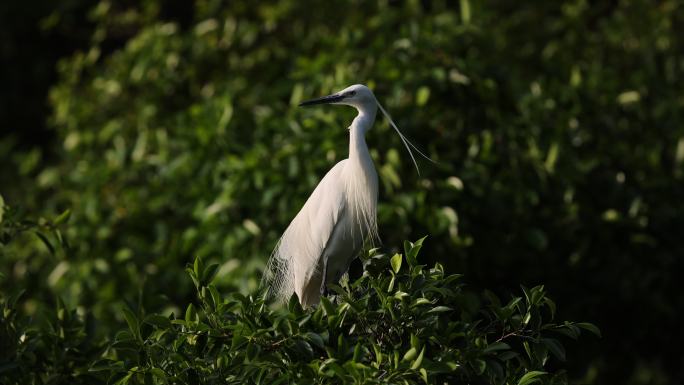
339	216
335	233
330	229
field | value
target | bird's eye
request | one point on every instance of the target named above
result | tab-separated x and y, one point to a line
351	93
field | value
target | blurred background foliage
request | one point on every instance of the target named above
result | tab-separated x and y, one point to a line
169	130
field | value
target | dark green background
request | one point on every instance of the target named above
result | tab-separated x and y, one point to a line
170	130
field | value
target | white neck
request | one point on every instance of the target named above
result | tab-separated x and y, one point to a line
358	150
362	179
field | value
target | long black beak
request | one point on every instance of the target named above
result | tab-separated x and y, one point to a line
324	100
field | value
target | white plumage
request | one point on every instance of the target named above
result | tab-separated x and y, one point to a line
339	216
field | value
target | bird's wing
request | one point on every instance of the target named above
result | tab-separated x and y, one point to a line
296	258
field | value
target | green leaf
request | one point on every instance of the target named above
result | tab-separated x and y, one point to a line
378	353
536	294
530	377
411	251
62	240
407	246
157	320
527	318
552	306
327	306
125	379
193	276
133	323
421	301
528	350
526	292
107	365
215	296
331	363
396	263
480	366
569	330
390	286
157	372
496	346
197	266
46	242
419	361
555	347
422	95
590	327
63	217
513	303
439	309
465	11
209	273
358	352
415	342
410	354
424	375
315	339
190	313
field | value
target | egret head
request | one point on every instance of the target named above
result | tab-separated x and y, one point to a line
358	96
362	98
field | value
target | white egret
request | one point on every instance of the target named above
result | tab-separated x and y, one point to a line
329	231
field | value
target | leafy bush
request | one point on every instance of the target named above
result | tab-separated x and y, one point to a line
396	324
52	344
401	322
557	127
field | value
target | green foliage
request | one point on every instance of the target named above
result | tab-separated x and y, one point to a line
56	345
557	128
395	324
